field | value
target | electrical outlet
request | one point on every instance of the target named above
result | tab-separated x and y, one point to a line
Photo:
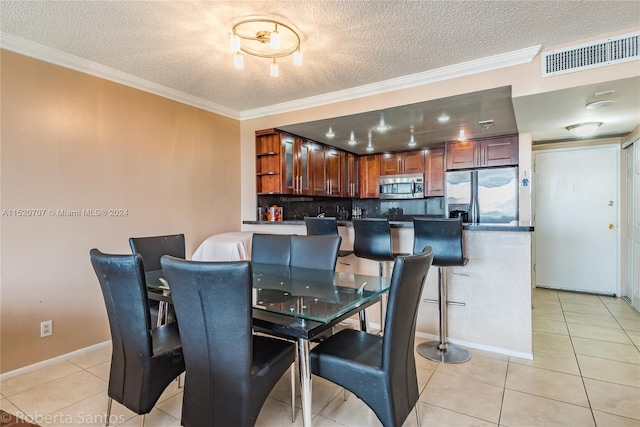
46	328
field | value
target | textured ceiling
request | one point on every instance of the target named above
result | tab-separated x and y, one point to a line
346	44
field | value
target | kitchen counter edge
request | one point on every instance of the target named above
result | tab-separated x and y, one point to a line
520	227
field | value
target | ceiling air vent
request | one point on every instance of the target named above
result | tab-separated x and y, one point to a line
614	50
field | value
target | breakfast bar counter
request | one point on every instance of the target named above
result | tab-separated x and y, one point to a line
495	285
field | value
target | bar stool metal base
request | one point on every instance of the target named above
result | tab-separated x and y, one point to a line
444	353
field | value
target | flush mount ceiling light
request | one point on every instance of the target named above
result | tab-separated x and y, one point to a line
486	123
264	38
583	130
599	104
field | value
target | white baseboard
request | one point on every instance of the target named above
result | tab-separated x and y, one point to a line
499	350
54	360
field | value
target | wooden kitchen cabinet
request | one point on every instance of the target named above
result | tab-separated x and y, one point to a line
404	162
349	175
368	175
283	163
326	174
434	172
496	151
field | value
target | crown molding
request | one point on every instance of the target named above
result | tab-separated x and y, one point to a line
38	51
489	63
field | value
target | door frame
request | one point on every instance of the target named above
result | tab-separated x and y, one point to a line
618	235
628	253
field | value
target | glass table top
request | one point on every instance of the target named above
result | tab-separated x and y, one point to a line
321	295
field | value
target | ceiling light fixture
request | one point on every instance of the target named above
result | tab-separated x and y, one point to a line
352	140
264	38
412	140
330	133
369	146
382	126
443	118
583	130
599	104
486	123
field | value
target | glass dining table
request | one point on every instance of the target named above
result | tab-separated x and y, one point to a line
299	304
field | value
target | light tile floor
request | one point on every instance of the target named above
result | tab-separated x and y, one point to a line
585	372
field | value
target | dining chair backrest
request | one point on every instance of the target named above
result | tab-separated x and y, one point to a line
214	303
271	249
152	248
405	289
372	239
381	371
317	252
444	235
321	226
141	368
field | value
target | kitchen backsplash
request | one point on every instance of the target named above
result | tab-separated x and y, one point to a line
297	207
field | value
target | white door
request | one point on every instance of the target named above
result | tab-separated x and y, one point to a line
576	219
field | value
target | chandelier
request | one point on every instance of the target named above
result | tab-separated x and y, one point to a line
264	38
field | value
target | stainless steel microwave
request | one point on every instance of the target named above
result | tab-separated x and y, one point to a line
405	186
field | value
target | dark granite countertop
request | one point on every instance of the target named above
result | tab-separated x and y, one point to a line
513	226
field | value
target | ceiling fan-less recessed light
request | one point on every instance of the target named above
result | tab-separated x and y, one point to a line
443	118
352	139
583	130
382	126
369	146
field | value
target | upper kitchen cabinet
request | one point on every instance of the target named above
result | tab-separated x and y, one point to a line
283	163
434	172
404	162
368	175
349	175
326	165
497	151
268	165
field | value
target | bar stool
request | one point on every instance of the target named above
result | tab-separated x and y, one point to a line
324	226
372	240
445	238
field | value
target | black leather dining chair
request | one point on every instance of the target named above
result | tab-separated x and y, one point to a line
317	252
229	370
324	226
144	359
444	236
151	248
271	249
381	370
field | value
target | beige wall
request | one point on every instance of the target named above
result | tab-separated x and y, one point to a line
73	141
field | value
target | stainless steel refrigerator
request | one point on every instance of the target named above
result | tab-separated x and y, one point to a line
488	195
